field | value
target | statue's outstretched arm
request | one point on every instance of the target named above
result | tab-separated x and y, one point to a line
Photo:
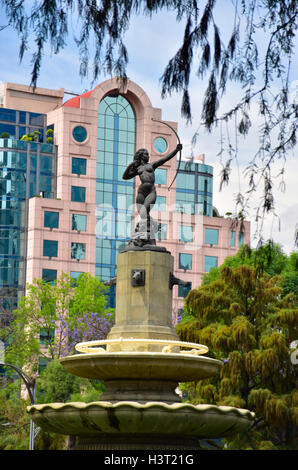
165	159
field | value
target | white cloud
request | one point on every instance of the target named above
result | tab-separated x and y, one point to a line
279	227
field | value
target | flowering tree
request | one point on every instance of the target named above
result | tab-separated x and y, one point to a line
88	328
51	318
47	324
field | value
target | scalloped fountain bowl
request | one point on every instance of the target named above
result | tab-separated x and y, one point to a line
140	408
132	425
131	374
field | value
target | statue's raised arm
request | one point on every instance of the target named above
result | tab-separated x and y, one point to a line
165	159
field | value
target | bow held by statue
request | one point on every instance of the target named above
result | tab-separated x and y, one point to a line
179	148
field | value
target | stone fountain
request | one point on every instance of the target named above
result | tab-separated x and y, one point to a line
142	362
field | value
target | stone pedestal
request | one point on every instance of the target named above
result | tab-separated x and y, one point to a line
144	311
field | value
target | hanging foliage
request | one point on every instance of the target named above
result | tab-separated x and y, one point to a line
228	53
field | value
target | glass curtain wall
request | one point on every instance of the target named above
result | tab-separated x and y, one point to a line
114	196
27	169
16	124
194	189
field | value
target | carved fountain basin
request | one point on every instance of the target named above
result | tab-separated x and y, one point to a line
140	408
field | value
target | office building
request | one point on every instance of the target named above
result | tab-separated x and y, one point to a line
64	204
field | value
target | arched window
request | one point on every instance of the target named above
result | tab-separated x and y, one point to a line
116	136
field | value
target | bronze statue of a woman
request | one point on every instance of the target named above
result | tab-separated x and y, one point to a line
146	195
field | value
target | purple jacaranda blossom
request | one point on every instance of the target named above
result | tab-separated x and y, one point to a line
177	316
89	327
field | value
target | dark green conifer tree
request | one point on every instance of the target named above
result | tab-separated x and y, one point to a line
246	321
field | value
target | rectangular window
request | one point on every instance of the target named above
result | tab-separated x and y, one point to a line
8	115
74	276
185	181
240	238
22	131
160	176
79	166
78	194
162	232
211	236
79	222
78	251
124	201
46	186
47	336
108	172
185	261
123	227
103	273
185	202
232	238
36	119
9	129
46	163
22	117
50	248
103	197
42	364
49	275
205	184
184	290
51	219
210	262
186	233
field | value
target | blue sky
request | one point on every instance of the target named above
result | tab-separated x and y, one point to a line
150	44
